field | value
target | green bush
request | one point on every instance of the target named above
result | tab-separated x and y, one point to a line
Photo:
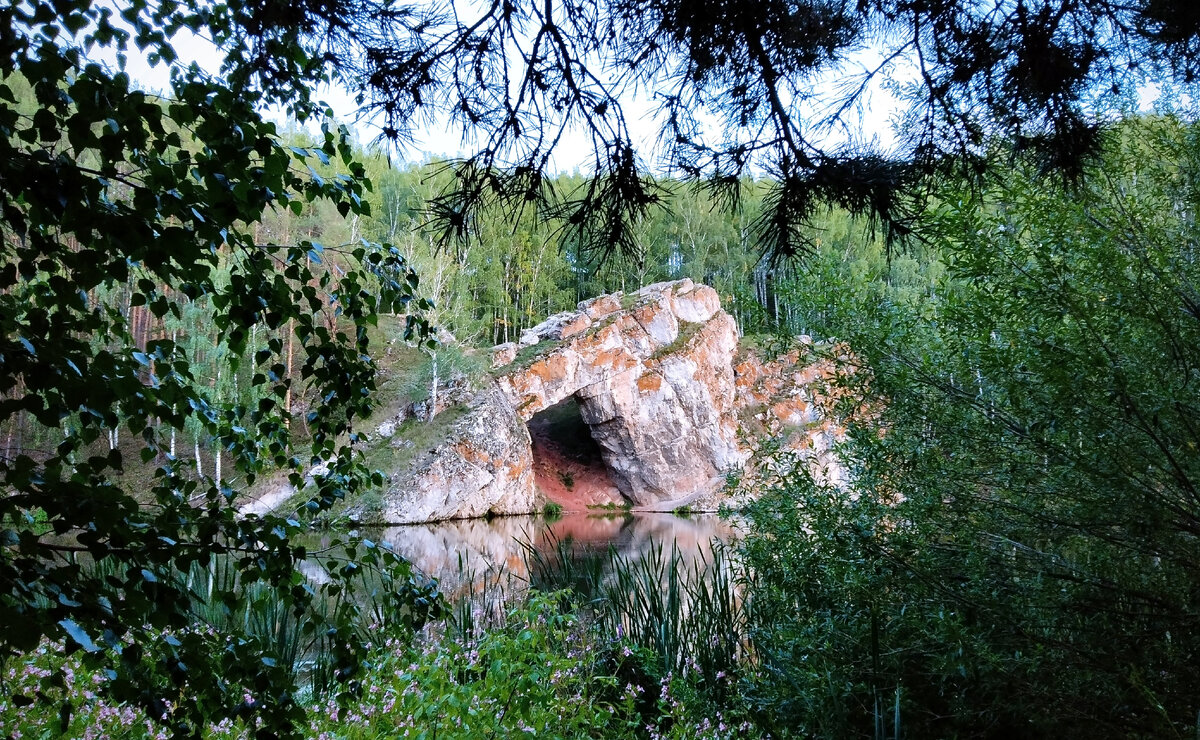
532	675
535	673
1017	554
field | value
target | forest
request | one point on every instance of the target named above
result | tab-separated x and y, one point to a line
194	299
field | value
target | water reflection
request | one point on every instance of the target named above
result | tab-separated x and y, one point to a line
469	555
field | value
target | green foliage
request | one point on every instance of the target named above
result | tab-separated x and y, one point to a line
123	214
517	272
536	670
683	616
531	674
449	361
53	685
1020	538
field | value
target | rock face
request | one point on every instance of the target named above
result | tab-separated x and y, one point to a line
657	384
789	398
654	382
485	468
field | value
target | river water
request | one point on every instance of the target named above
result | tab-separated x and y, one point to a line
474	557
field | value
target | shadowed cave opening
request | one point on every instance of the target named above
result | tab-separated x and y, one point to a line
568	465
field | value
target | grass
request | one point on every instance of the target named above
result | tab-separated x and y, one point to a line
610	506
688	614
401	378
526	356
297	638
422	436
552	510
752	344
687	330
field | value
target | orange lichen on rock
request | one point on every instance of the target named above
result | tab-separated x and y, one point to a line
616	359
791	410
798	396
576	326
598	308
548	369
649	382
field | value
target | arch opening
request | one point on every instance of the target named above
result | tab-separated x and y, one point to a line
568	463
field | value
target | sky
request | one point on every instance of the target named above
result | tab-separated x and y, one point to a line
441	140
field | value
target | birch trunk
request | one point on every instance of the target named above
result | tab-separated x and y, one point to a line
433	388
287	395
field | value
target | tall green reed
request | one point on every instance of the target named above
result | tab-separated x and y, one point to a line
688	612
482	601
298	638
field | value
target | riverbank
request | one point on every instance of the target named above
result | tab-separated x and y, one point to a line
549	664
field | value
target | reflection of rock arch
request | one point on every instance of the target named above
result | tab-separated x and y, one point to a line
471	556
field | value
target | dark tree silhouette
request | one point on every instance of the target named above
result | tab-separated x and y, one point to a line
106	190
749	86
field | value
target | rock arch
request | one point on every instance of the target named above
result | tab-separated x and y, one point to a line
656	381
653	377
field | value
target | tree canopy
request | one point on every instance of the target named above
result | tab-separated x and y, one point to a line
1017	557
122	212
746	87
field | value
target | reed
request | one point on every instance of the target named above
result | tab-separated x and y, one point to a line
688	612
292	632
482	603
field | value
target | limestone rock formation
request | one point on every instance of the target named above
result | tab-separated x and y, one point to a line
659	385
654	382
788	398
484	468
